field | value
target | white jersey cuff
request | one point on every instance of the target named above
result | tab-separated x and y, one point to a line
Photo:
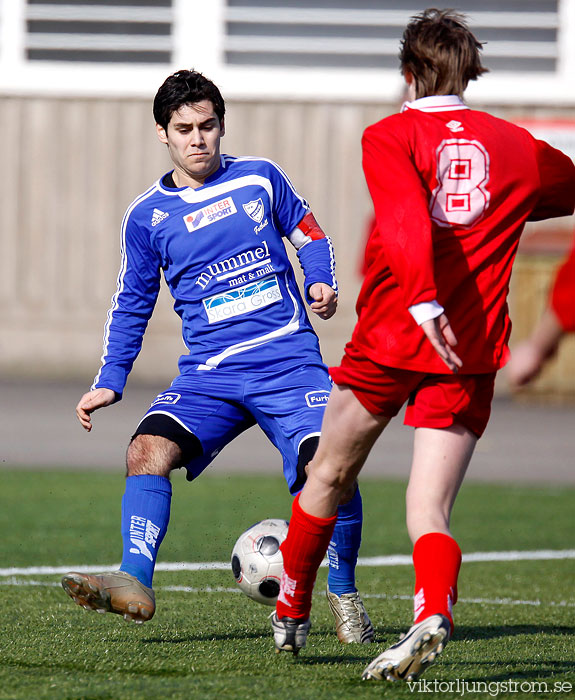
425	311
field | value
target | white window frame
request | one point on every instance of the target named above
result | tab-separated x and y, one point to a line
199	42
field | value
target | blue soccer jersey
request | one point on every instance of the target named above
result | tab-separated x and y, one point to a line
221	250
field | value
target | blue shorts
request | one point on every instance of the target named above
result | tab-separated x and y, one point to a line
217	405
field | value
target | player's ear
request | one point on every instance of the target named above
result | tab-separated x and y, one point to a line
222	127
411	88
161	132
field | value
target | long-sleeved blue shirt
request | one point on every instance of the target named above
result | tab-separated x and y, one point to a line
221	252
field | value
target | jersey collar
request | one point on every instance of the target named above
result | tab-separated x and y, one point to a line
436	103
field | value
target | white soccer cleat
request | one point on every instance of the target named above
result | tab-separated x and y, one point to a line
352	623
289	634
415	652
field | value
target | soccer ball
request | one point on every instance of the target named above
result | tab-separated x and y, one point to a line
257	562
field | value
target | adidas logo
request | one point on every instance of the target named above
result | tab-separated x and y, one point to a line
158	216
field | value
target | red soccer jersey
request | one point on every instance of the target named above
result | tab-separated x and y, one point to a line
563	294
452	189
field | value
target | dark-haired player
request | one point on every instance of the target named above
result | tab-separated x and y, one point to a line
452	188
214	226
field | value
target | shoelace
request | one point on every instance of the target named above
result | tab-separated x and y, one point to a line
352	611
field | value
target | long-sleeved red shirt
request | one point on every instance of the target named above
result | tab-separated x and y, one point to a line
452	189
563	293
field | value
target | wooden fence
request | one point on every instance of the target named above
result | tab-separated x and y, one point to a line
70	167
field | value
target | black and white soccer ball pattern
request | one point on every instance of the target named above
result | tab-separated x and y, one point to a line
257	562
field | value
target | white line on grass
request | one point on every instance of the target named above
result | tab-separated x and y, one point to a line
385	596
13	581
393	560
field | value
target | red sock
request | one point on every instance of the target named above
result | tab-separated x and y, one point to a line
437	559
303	551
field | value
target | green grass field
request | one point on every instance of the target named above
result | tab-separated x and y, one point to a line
515	619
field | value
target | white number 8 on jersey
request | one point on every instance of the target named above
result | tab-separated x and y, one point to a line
461	197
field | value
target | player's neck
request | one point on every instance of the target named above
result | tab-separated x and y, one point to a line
182	178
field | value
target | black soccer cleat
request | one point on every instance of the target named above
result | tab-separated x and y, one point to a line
289	634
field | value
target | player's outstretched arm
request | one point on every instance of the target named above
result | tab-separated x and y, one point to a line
441	336
528	358
90	402
324	300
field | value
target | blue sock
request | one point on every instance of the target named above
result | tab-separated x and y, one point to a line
344	546
145	517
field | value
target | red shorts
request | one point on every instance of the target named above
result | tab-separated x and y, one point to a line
433	400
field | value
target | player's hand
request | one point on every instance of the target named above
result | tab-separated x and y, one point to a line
442	337
324	300
90	402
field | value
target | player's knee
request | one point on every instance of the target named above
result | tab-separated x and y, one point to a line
152	454
332	477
